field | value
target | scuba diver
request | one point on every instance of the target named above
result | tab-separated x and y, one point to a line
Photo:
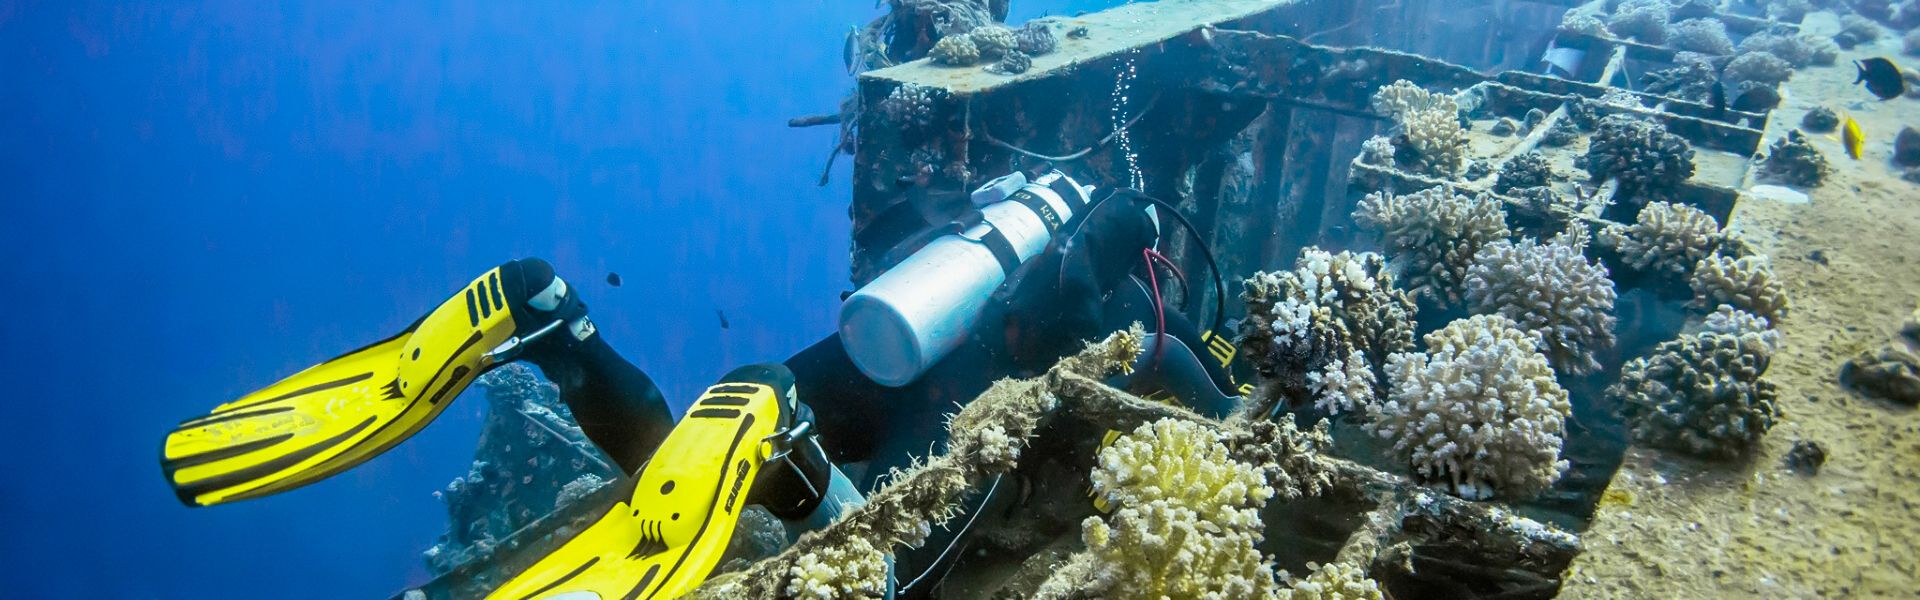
1040	266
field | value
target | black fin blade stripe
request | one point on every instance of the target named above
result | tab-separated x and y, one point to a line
725	401
229	416
645	580
318	387
473	312
194	460
714	413
498	302
277	465
563	578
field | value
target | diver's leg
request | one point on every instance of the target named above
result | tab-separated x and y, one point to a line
616	405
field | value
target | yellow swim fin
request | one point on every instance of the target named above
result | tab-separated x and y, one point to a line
341	412
666	538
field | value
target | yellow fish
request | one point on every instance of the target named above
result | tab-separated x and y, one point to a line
1851	137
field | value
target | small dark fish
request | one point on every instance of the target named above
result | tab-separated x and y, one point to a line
1757	99
1882	78
851	49
723	319
1719	102
613	279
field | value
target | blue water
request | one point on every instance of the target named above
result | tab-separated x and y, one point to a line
201	197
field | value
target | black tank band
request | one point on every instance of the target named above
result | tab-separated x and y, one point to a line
1002	249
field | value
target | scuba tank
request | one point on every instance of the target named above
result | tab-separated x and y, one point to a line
910	317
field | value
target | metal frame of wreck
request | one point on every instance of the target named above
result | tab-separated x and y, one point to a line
1287	82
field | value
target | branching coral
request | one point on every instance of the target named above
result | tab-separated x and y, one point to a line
993	41
1187	522
1760	68
1581	23
1035	39
1856	30
1666	240
1430	138
1788	11
1646	160
1542	212
1795	161
909	106
1291	460
1706	36
1480	410
1820	119
1432	235
1551	289
1643	20
1746	283
1322	330
955	50
1702	394
1693	80
1727	320
1785	46
1013	62
853	570
1333	581
1523	171
1402	97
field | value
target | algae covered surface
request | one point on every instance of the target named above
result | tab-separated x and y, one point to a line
1672	528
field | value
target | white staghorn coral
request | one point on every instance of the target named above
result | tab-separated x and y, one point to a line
1551	289
1432	235
1480	410
1745	283
1665	239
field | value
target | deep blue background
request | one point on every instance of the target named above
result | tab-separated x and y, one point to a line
201	197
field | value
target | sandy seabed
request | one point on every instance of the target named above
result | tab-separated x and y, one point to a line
1674	528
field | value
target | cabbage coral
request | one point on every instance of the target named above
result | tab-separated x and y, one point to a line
1702	394
1551	289
1479	411
1322	329
1432	235
1665	239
